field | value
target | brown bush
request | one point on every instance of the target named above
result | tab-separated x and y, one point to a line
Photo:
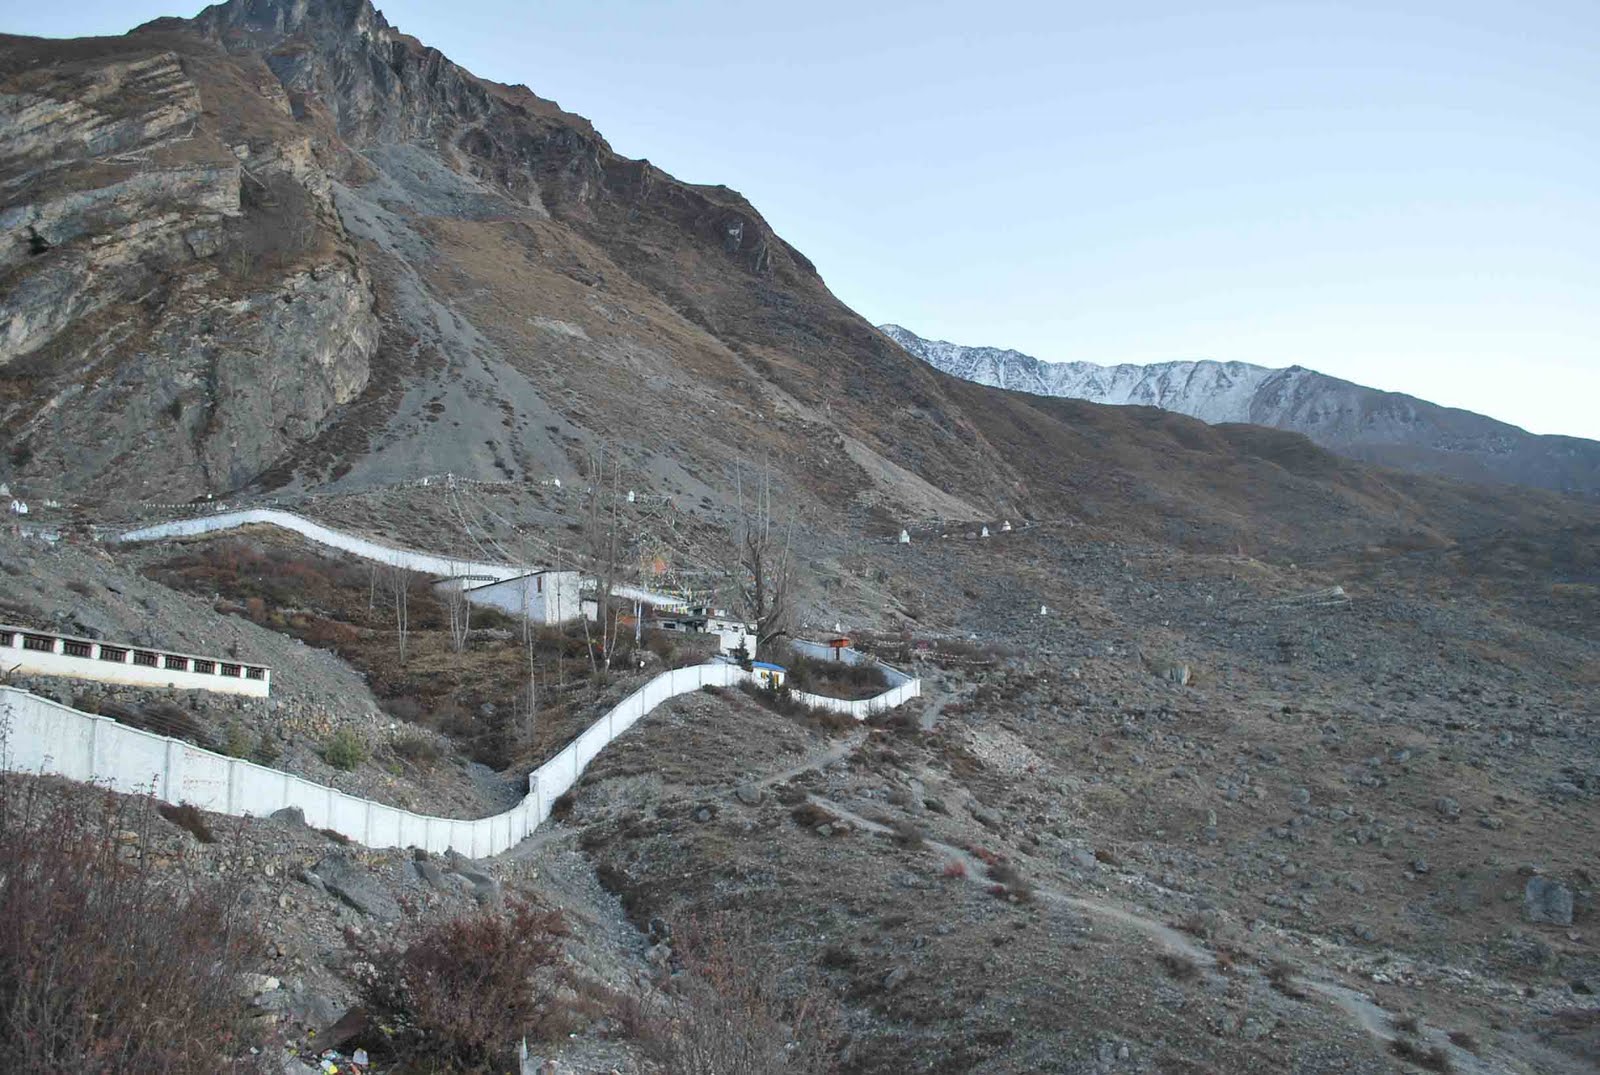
907	835
1179	967
985	856
1429	1058
103	966
464	991
1007	875
162	718
809	815
785	704
832	679
188	817
417	749
730	1013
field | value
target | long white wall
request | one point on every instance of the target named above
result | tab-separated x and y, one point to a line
820	652
41	736
422	562
863	708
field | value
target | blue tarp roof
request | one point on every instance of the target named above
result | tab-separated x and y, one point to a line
768	665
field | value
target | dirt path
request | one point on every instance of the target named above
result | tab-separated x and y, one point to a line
1355	1005
834	752
942	698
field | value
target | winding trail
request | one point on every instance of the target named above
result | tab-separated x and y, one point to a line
1359	1008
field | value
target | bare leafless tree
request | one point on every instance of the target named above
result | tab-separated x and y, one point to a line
526	711
602	529
766	571
458	608
398	576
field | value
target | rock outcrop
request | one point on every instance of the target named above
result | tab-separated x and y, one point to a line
175	312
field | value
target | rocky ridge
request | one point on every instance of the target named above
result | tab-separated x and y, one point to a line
1389	428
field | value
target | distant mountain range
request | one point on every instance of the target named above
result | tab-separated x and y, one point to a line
1389	428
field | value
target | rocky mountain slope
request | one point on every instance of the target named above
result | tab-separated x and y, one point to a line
285	247
1235	754
1363	423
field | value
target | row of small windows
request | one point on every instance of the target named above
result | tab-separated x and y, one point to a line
73	647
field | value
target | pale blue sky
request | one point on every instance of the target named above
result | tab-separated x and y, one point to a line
1403	194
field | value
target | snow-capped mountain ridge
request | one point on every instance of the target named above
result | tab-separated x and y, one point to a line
1364	423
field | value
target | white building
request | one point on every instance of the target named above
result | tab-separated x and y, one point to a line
731	634
45	653
541	596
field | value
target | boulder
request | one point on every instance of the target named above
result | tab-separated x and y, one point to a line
484	888
1547	901
342	877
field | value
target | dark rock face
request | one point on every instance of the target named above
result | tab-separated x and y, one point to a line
304	148
178	306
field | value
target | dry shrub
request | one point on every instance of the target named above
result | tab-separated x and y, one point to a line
907	835
464	991
730	1013
161	718
786	704
104	966
1429	1058
1281	977
832	679
809	815
985	856
1015	884
955	869
1178	967
417	749
188	817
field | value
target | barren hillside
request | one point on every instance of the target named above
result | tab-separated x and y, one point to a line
1233	754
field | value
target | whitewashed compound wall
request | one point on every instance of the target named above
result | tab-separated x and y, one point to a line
863	708
422	562
45	653
41	736
821	652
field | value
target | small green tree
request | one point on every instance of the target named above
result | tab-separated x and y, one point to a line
344	749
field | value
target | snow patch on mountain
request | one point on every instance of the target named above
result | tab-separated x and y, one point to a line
1364	423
